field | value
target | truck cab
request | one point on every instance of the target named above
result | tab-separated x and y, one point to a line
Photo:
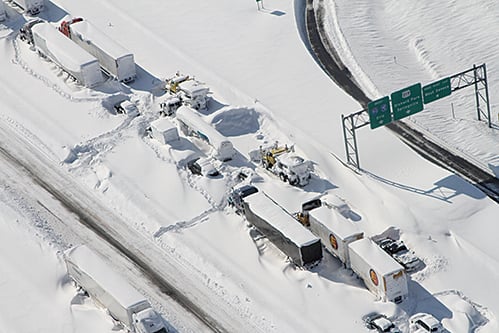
25	33
281	161
237	195
292	168
194	94
148	321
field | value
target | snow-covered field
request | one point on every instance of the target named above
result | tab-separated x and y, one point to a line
265	87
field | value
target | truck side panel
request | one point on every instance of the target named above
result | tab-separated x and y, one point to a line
104	285
282	229
113	58
3	14
98	294
382	275
368	275
68	56
334	231
275	236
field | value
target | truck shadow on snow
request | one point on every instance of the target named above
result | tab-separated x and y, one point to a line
332	269
52	12
147	82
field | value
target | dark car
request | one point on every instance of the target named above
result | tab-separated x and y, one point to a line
400	252
380	322
202	167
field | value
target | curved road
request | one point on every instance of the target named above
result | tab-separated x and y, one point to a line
331	63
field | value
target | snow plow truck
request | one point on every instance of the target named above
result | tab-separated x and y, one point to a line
281	161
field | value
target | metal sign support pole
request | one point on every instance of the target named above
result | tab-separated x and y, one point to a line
350	123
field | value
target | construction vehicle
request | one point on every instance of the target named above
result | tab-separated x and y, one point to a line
189	91
281	161
171	85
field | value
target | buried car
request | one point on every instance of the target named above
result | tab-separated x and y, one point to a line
126	107
380	322
425	322
202	167
400	252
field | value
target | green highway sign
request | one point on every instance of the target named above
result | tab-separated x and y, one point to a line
407	101
436	90
379	112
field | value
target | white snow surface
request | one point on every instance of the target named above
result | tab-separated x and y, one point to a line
266	87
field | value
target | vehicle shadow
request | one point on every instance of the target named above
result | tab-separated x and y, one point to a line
147	82
421	300
332	269
52	12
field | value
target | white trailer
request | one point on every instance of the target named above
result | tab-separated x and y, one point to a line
109	290
114	59
32	7
163	130
382	275
298	243
66	54
335	231
3	13
192	124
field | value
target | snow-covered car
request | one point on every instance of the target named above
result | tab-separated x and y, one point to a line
380	322
425	322
400	252
126	107
202	167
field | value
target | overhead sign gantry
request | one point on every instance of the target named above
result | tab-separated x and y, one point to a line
410	100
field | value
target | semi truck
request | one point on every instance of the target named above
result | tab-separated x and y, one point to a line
381	274
299	244
67	55
192	124
325	217
335	231
3	14
114	59
32	7
110	291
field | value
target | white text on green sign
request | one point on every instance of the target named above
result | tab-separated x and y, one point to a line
436	90
379	112
407	101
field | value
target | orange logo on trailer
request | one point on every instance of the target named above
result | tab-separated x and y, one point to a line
374	277
333	241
